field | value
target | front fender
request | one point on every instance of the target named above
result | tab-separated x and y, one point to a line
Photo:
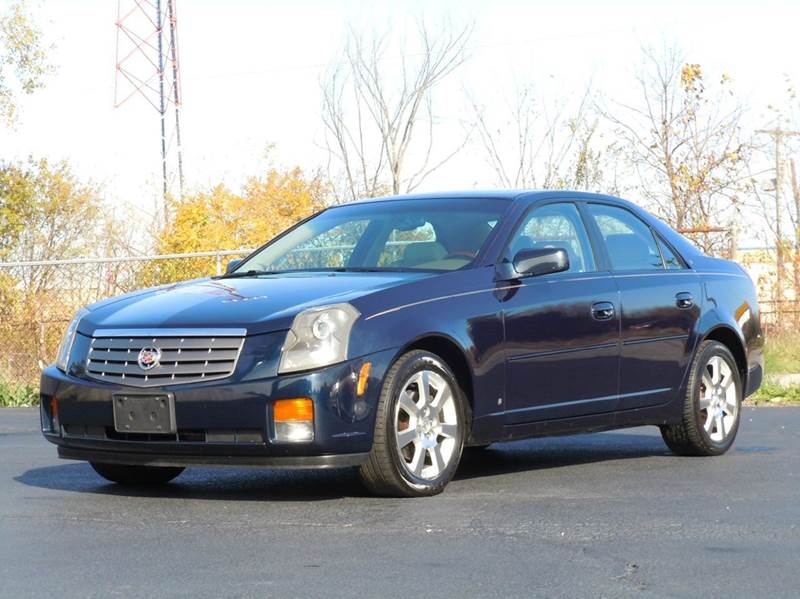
470	321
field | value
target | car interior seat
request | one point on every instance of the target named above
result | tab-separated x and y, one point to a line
421	253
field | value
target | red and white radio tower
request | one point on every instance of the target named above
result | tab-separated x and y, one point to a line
148	67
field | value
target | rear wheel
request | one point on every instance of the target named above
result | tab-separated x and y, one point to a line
419	428
712	406
136	475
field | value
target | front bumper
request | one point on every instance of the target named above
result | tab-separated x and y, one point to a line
256	461
220	423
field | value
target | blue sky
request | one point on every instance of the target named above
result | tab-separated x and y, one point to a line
251	72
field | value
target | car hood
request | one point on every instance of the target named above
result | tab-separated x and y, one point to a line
258	304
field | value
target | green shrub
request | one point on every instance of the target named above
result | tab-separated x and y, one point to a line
773	393
14	395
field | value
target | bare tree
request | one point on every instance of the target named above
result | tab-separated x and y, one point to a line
541	144
685	145
373	113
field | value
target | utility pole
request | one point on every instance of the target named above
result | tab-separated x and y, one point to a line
796	223
778	134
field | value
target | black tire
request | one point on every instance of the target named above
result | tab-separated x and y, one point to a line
384	474
689	437
136	475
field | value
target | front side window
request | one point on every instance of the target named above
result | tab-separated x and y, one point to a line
421	234
555	226
629	241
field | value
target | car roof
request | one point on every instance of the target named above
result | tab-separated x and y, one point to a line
503	194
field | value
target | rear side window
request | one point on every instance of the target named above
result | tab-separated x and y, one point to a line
629	241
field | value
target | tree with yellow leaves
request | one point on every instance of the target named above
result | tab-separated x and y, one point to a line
219	218
23	59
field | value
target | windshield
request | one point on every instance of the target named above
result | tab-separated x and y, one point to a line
420	234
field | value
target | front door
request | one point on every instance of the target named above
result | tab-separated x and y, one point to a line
660	304
562	329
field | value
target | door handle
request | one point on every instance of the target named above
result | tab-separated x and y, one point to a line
684	300
603	311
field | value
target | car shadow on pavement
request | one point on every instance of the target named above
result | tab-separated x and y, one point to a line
232	484
557	452
310	485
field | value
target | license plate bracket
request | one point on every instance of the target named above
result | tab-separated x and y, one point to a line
149	414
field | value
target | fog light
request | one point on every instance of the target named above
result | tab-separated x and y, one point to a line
293	420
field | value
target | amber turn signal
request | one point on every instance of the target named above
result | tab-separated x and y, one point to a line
363	377
293	410
293	420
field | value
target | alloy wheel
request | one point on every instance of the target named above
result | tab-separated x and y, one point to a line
718	404
426	425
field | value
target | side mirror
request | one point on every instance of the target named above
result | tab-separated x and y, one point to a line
232	265
540	261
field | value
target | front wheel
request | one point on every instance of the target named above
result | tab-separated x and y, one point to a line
136	475
712	406
419	428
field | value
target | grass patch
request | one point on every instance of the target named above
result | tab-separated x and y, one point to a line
15	395
782	353
774	394
781	356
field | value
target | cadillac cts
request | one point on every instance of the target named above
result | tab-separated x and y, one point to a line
389	334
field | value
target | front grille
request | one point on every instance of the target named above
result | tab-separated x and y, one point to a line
185	357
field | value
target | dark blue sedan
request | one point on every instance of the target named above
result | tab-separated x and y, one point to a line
390	334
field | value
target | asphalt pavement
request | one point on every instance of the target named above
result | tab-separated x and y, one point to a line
605	515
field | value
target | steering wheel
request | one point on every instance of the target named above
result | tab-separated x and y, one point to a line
464	255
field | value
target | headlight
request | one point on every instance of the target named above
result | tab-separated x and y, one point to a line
318	337
62	361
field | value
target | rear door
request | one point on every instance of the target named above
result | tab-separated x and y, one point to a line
561	329
660	299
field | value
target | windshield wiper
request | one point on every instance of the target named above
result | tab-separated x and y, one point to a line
257	273
358	269
380	269
246	273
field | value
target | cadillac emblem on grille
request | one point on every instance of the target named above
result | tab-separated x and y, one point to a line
149	358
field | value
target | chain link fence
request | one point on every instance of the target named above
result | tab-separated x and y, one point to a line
38	299
779	316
